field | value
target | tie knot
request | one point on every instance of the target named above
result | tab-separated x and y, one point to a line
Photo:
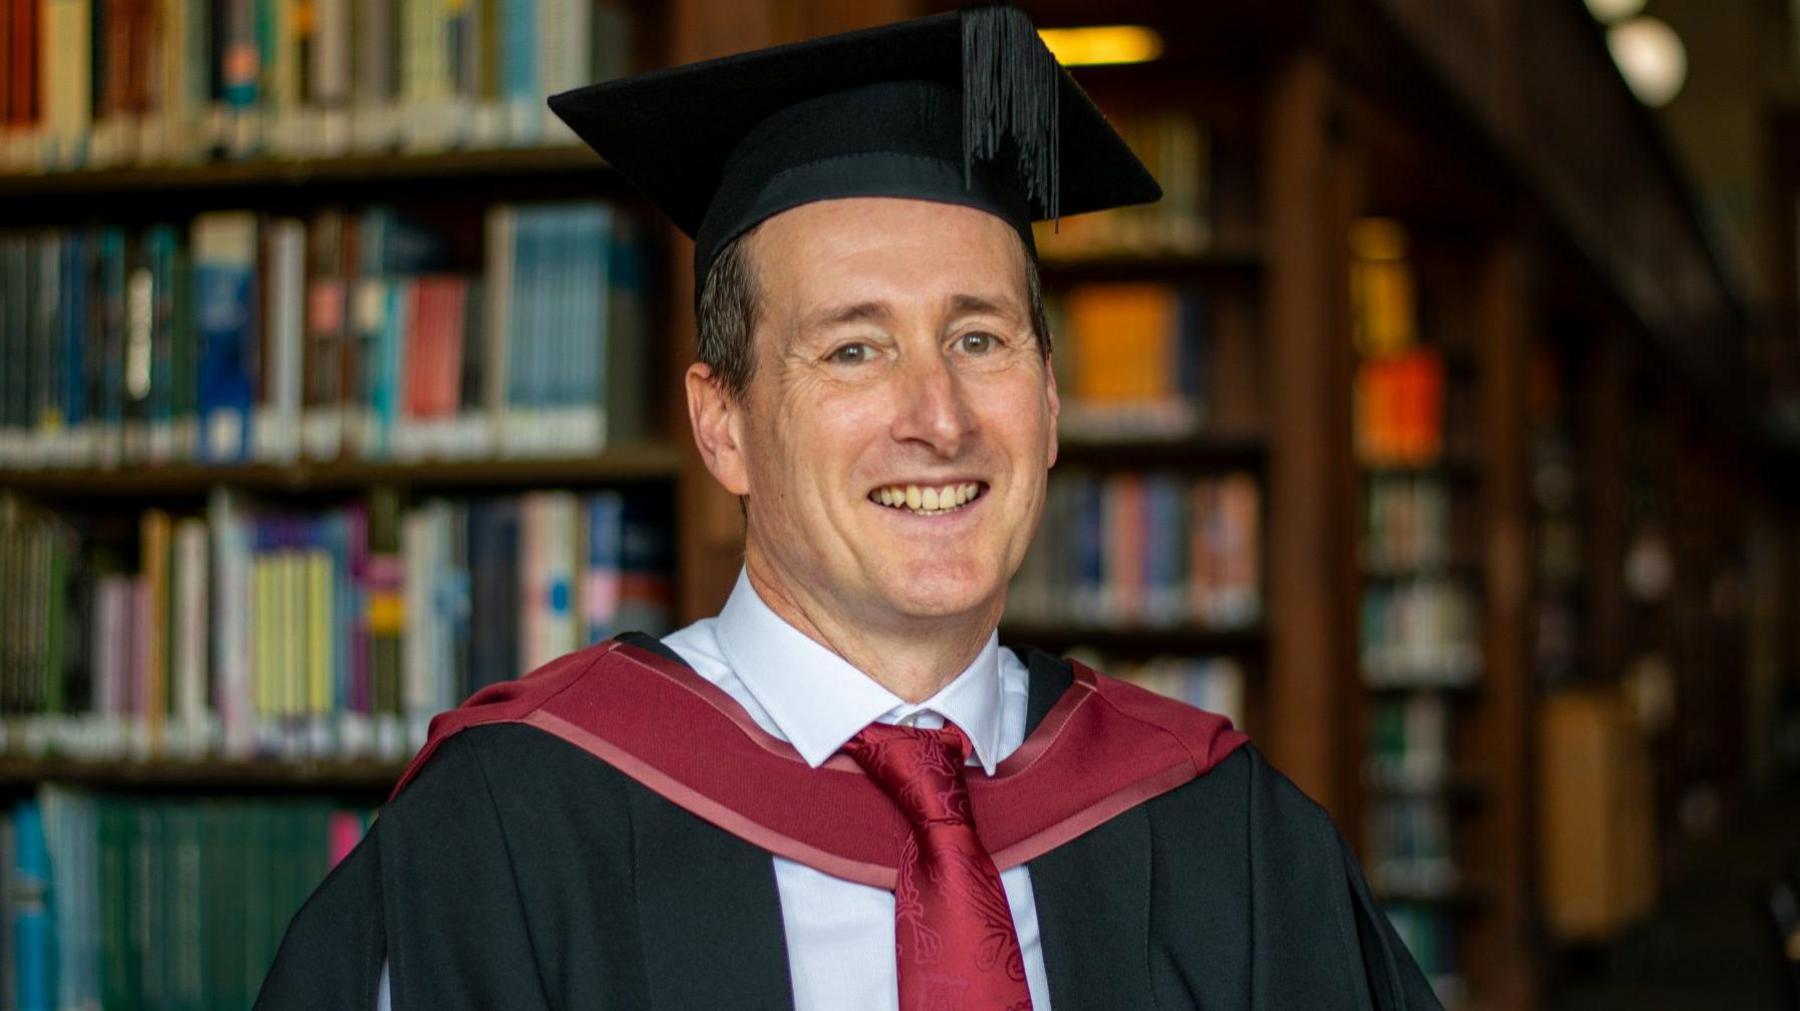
921	770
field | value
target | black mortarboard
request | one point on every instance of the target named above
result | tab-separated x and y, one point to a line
965	108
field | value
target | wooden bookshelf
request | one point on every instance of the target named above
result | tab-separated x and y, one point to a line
1205	453
312	174
1126	641
640	462
204	776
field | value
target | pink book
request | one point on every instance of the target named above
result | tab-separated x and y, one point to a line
344	832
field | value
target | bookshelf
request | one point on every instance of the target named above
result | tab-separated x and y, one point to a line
114	812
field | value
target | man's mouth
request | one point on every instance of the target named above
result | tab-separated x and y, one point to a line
928	500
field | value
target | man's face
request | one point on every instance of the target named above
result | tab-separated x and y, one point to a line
896	434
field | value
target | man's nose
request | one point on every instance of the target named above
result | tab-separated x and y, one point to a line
933	408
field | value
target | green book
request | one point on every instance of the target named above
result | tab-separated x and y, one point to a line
258	876
117	987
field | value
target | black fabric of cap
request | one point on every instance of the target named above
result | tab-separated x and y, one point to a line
956	108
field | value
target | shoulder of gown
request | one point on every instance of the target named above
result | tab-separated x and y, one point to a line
436	888
1279	868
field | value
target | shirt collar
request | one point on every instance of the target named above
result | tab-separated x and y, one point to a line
818	700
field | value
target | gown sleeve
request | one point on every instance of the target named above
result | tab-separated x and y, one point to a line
429	896
1396	982
1323	938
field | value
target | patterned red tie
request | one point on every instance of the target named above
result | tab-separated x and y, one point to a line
953	930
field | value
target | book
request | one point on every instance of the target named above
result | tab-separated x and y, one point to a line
1133	361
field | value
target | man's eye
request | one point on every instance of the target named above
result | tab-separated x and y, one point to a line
977	343
849	354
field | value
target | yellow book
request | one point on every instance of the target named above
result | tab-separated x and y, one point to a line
296	645
262	637
319	652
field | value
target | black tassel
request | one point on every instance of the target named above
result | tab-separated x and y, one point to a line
1010	88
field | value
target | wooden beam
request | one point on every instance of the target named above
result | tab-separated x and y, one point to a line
1308	197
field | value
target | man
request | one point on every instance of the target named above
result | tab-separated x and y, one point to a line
842	792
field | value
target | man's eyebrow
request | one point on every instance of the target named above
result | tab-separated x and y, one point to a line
963	304
971	305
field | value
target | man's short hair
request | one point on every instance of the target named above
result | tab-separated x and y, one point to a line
726	316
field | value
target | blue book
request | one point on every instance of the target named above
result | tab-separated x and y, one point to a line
388	363
1165	547
605	565
519	71
1087	519
225	314
333	532
592	288
32	929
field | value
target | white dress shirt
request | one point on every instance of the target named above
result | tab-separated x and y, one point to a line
840	934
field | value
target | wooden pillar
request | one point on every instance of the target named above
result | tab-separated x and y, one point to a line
1311	478
1501	847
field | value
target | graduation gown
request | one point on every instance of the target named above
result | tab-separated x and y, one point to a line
516	868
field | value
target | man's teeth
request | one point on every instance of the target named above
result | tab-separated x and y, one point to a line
930	500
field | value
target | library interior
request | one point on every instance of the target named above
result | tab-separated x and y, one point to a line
1440	426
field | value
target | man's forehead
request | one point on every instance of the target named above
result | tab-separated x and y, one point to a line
971	261
879	216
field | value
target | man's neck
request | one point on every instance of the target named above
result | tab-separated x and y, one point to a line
913	663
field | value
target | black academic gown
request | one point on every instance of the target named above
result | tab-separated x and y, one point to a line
518	871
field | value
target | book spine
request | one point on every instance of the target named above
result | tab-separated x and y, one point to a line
225	306
31	927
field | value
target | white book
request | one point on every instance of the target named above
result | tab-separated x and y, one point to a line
231	627
276	431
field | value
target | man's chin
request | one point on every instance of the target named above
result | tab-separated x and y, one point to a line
925	601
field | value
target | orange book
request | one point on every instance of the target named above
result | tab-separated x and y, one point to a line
1124	337
156	534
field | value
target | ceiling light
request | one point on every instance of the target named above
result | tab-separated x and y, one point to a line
1101	44
1652	58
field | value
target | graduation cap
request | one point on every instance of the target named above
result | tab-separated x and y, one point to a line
967	108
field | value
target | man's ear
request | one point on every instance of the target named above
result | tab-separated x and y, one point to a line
1054	401
717	419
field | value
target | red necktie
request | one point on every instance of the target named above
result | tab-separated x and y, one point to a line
953	930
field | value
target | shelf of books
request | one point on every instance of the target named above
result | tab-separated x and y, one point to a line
1420	613
319	339
1148	562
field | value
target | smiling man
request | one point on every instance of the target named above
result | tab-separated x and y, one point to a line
842	792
